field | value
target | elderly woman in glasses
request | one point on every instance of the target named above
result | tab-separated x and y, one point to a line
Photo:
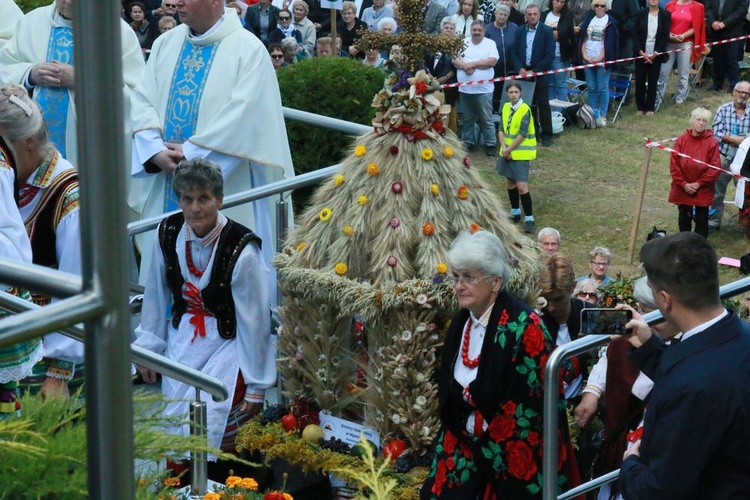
599	260
285	29
490	383
586	290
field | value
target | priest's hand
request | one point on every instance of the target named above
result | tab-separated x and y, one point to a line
66	74
167	160
46	75
54	388
148	376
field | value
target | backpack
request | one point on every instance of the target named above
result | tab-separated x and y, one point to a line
585	117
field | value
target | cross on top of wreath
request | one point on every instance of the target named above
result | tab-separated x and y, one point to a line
413	40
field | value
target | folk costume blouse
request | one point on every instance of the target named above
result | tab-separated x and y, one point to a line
504	400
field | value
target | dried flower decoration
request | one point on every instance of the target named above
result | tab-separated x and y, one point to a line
397	187
373	169
301	246
393	150
427	154
392	261
394	222
474	227
448	151
338	180
467	162
341	268
463	192
435	189
428	228
442	268
325	214
360	150
348	230
362	199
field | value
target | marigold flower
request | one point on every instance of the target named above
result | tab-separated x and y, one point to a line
172	481
300	247
427	154
249	484
448	151
211	496
362	199
435	189
373	169
348	230
360	150
428	228
339	180
442	268
463	192
325	214
233	481
341	268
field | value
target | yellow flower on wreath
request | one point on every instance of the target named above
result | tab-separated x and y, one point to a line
362	199
338	180
360	150
435	189
442	268
427	154
300	247
373	169
348	230
325	214
341	268
448	151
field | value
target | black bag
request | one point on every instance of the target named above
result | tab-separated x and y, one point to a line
745	264
656	233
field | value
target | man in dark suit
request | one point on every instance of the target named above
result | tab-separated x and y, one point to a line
724	20
534	51
697	425
433	15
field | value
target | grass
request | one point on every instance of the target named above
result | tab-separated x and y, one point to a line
586	185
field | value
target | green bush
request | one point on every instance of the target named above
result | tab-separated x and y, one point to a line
332	86
27	5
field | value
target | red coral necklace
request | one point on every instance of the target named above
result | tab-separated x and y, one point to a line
469	363
189	258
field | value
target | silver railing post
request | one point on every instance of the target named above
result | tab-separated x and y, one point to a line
198	459
282	225
102	170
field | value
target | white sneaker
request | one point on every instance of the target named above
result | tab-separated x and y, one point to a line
601	121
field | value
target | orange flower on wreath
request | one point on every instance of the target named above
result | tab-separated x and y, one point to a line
172	482
428	228
448	151
373	169
474	227
463	192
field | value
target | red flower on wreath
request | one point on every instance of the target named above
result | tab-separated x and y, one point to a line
503	318
439	127
533	340
421	87
502	427
394	150
509	408
449	442
533	438
521	462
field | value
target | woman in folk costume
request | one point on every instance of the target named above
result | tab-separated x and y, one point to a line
49	206
517	141
490	385
16	361
209	278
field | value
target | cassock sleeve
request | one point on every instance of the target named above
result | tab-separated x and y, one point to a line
14	242
151	334
257	351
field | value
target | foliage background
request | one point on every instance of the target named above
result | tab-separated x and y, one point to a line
27	5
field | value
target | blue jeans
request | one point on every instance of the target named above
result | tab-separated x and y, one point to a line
559	87
597	88
477	109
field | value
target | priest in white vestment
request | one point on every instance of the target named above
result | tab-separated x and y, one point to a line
209	91
39	55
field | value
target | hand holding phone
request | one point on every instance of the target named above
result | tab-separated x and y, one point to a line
605	321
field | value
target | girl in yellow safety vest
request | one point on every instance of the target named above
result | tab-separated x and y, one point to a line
517	141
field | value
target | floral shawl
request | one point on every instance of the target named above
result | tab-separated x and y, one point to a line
506	461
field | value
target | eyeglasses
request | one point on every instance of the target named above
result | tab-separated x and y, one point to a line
588	295
277	56
466	280
742	92
285	18
600	5
599	264
170	5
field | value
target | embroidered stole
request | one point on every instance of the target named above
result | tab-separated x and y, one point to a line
188	82
54	101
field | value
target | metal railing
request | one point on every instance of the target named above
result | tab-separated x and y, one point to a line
551	398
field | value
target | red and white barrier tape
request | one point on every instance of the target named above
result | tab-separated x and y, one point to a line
660	145
532	74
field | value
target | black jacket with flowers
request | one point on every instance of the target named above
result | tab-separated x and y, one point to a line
508	391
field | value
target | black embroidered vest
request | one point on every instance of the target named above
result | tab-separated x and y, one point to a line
217	296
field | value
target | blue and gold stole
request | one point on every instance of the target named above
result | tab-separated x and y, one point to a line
188	81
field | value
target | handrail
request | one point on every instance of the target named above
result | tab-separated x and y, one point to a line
282	186
326	121
551	396
153	361
41	279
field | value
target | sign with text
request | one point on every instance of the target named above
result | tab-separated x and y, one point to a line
331	5
345	430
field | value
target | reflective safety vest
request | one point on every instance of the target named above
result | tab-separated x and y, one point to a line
511	127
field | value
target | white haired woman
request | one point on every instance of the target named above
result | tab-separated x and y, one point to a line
48	206
626	388
692	178
489	384
586	290
599	260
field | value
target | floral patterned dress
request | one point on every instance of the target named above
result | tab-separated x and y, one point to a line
504	460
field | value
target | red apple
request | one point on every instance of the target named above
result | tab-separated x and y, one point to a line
289	422
394	448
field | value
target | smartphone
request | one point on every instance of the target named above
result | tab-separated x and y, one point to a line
605	321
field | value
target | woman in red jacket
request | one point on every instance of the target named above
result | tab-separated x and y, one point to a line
693	181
